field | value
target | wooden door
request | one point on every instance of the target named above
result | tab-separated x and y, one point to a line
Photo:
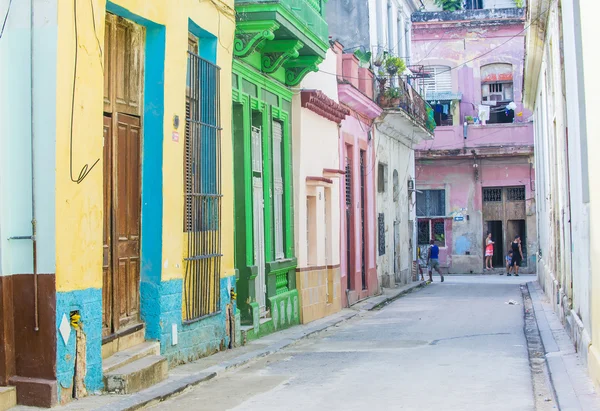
122	174
107	273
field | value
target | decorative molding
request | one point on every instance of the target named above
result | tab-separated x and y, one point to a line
298	68
251	34
318	181
318	102
276	53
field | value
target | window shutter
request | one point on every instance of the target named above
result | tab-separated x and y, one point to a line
278	188
440	79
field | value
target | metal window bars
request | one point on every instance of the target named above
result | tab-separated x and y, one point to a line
201	296
515	193
492	194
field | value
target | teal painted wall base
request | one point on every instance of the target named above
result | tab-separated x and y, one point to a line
89	304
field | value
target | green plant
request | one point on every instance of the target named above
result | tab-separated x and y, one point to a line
469	119
394	65
520	3
363	57
450	5
392	93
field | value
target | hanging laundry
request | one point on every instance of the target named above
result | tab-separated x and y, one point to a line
446	109
484	112
438	108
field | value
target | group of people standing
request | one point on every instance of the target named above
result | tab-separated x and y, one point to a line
514	258
430	258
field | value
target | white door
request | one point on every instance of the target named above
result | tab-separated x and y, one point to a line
259	243
258	220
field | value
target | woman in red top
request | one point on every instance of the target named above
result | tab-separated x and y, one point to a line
489	252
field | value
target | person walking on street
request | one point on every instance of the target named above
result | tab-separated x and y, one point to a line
489	252
517	257
433	260
509	262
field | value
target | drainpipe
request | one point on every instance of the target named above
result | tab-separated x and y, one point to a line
33	220
32	237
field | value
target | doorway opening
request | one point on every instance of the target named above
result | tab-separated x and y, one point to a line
495	227
514	228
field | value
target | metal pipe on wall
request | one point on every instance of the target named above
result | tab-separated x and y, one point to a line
33	220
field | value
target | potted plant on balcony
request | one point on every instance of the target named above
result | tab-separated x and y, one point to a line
394	65
450	5
469	120
390	97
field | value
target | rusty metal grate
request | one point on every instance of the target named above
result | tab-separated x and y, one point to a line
515	193
492	195
203	196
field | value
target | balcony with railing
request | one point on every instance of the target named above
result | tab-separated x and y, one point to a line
291	36
405	113
298	19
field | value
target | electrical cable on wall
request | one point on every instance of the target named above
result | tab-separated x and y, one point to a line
86	169
5	18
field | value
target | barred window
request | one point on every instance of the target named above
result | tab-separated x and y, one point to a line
515	193
202	185
431	203
492	195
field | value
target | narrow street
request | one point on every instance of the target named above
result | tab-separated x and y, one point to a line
455	345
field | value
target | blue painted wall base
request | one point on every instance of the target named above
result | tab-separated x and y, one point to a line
194	340
89	304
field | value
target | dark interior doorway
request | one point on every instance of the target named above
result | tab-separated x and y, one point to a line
513	228
495	227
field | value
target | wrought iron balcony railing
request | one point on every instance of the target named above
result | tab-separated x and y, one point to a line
404	97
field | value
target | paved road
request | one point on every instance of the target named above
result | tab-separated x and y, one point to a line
455	345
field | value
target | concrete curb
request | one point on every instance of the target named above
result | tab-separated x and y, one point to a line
572	386
544	394
174	386
377	302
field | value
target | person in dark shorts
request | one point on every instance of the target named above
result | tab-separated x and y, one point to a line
433	260
517	257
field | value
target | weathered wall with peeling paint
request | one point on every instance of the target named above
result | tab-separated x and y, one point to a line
465	41
463	251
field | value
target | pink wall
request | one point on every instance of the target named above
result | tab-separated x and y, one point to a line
452	138
464	194
463	47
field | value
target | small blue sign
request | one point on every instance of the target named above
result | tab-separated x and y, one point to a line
459	218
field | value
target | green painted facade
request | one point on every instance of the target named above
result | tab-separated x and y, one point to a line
277	44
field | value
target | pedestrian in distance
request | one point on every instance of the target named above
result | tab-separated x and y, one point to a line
422	259
433	260
517	257
509	257
489	252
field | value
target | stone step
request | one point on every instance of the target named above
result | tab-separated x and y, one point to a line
123	342
136	375
130	355
8	398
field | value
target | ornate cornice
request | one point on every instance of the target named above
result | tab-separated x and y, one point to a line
298	68
276	53
251	34
319	103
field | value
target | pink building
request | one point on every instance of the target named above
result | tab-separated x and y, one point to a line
477	176
357	160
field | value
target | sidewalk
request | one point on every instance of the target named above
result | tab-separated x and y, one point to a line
568	374
185	376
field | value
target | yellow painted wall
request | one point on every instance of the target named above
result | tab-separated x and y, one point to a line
79	206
